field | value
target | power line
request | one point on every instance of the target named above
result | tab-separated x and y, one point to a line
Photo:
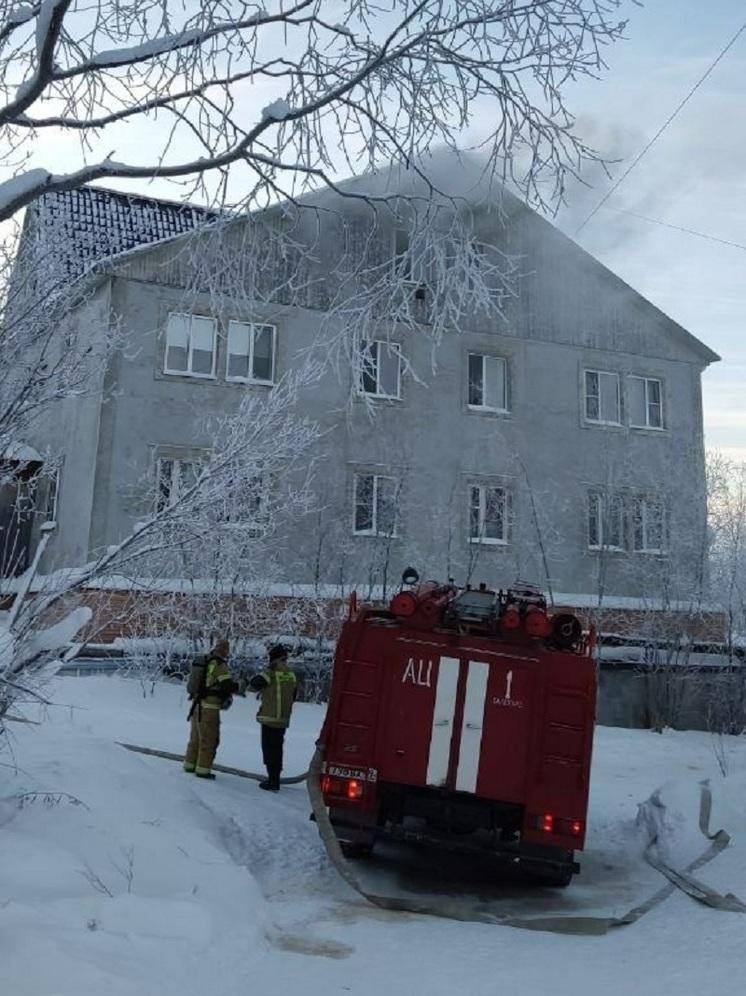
663	127
678	228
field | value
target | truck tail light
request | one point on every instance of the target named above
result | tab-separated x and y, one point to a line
342	788
549	823
569	827
331	786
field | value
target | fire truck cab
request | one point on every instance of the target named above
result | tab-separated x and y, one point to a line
463	718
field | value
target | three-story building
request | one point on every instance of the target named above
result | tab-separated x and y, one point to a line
560	442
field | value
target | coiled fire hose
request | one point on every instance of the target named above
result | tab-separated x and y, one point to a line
580	925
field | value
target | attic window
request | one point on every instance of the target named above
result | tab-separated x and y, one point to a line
645	403
190	345
251	353
602	397
402	257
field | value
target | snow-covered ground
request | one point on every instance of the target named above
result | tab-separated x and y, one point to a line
135	879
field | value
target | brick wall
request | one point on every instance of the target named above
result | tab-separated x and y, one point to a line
149	614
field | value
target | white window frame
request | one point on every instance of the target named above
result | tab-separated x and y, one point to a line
586	396
52	491
507	501
403	257
414	272
647	403
252	327
600	499
642	507
485	357
176	463
257	525
378	393
373	531
189	372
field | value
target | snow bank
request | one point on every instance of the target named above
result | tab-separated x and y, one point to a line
121	887
156	884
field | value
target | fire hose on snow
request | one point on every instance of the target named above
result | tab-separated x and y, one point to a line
681	879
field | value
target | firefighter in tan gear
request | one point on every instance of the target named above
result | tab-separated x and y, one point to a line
210	688
277	689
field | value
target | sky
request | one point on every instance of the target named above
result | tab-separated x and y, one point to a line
693	177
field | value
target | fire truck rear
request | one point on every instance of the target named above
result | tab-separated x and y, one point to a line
464	718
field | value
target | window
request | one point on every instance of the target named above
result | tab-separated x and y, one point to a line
174	477
605	521
246	504
190	345
488	387
53	489
602	397
380	369
375	505
402	257
645	403
251	353
489	514
648	524
413	260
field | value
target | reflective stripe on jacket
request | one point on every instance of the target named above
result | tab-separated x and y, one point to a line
217	672
276	698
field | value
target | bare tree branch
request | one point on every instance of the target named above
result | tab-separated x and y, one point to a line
383	85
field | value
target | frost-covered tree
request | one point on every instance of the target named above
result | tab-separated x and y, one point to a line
251	102
259	109
246	476
248	106
727	519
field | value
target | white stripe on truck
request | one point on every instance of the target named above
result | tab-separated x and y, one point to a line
442	728
471	727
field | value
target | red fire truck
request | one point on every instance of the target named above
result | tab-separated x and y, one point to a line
462	717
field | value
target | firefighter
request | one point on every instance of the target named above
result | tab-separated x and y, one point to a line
277	689
211	689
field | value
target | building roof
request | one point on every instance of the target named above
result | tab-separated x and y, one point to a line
78	228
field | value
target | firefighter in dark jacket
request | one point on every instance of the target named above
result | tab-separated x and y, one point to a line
277	688
210	688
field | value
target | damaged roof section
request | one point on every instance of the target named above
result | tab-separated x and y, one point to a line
78	228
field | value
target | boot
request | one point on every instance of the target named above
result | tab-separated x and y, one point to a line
272	782
205	774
